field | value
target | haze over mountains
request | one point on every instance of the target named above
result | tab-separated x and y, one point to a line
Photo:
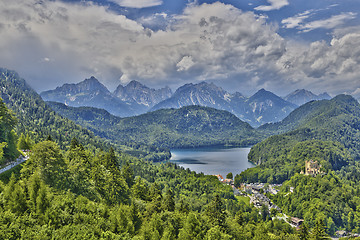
302	96
135	98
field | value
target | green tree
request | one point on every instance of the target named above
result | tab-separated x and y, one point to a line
2	146
169	203
29	141
128	174
14	196
7	135
47	160
215	212
229	175
22	142
331	227
318	232
140	189
193	228
215	233
264	212
304	231
74	143
350	222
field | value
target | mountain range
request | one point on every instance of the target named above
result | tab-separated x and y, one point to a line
141	94
135	98
37	119
302	96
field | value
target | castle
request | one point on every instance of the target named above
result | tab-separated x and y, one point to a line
312	168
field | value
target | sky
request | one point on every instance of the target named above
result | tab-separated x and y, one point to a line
240	45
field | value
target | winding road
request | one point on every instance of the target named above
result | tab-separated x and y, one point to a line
14	163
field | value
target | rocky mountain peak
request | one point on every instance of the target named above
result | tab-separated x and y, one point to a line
302	96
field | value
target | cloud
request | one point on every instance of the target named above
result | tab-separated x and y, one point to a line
274	5
210	41
298	21
185	63
138	3
330	66
329	23
52	42
155	21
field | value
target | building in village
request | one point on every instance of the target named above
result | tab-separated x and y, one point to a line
224	180
296	222
220	177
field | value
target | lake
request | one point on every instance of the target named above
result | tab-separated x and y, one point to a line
213	161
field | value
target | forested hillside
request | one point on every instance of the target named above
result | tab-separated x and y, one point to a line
326	132
79	192
38	120
79	195
335	120
189	126
8	150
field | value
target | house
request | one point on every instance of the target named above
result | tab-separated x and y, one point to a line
296	221
220	177
228	181
340	234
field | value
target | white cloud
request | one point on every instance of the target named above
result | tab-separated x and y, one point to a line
138	3
274	5
185	63
329	66
329	23
297	20
157	20
87	39
55	42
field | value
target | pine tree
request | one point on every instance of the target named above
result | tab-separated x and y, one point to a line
229	175
7	135
22	142
215	211
318	232
169	203
74	143
28	142
304	232
128	174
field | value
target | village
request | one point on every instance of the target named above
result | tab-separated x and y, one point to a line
257	192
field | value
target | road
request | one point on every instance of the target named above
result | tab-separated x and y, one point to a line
14	163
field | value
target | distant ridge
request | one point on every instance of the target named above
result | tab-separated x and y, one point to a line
189	126
262	107
89	92
141	94
136	98
302	96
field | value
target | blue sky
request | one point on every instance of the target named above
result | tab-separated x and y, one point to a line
241	45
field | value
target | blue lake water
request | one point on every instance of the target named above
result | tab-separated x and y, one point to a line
212	161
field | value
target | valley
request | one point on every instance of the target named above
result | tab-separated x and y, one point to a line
104	160
179	120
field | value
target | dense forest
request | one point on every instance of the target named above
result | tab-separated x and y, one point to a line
190	126
328	133
8	149
81	184
80	193
332	124
39	121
